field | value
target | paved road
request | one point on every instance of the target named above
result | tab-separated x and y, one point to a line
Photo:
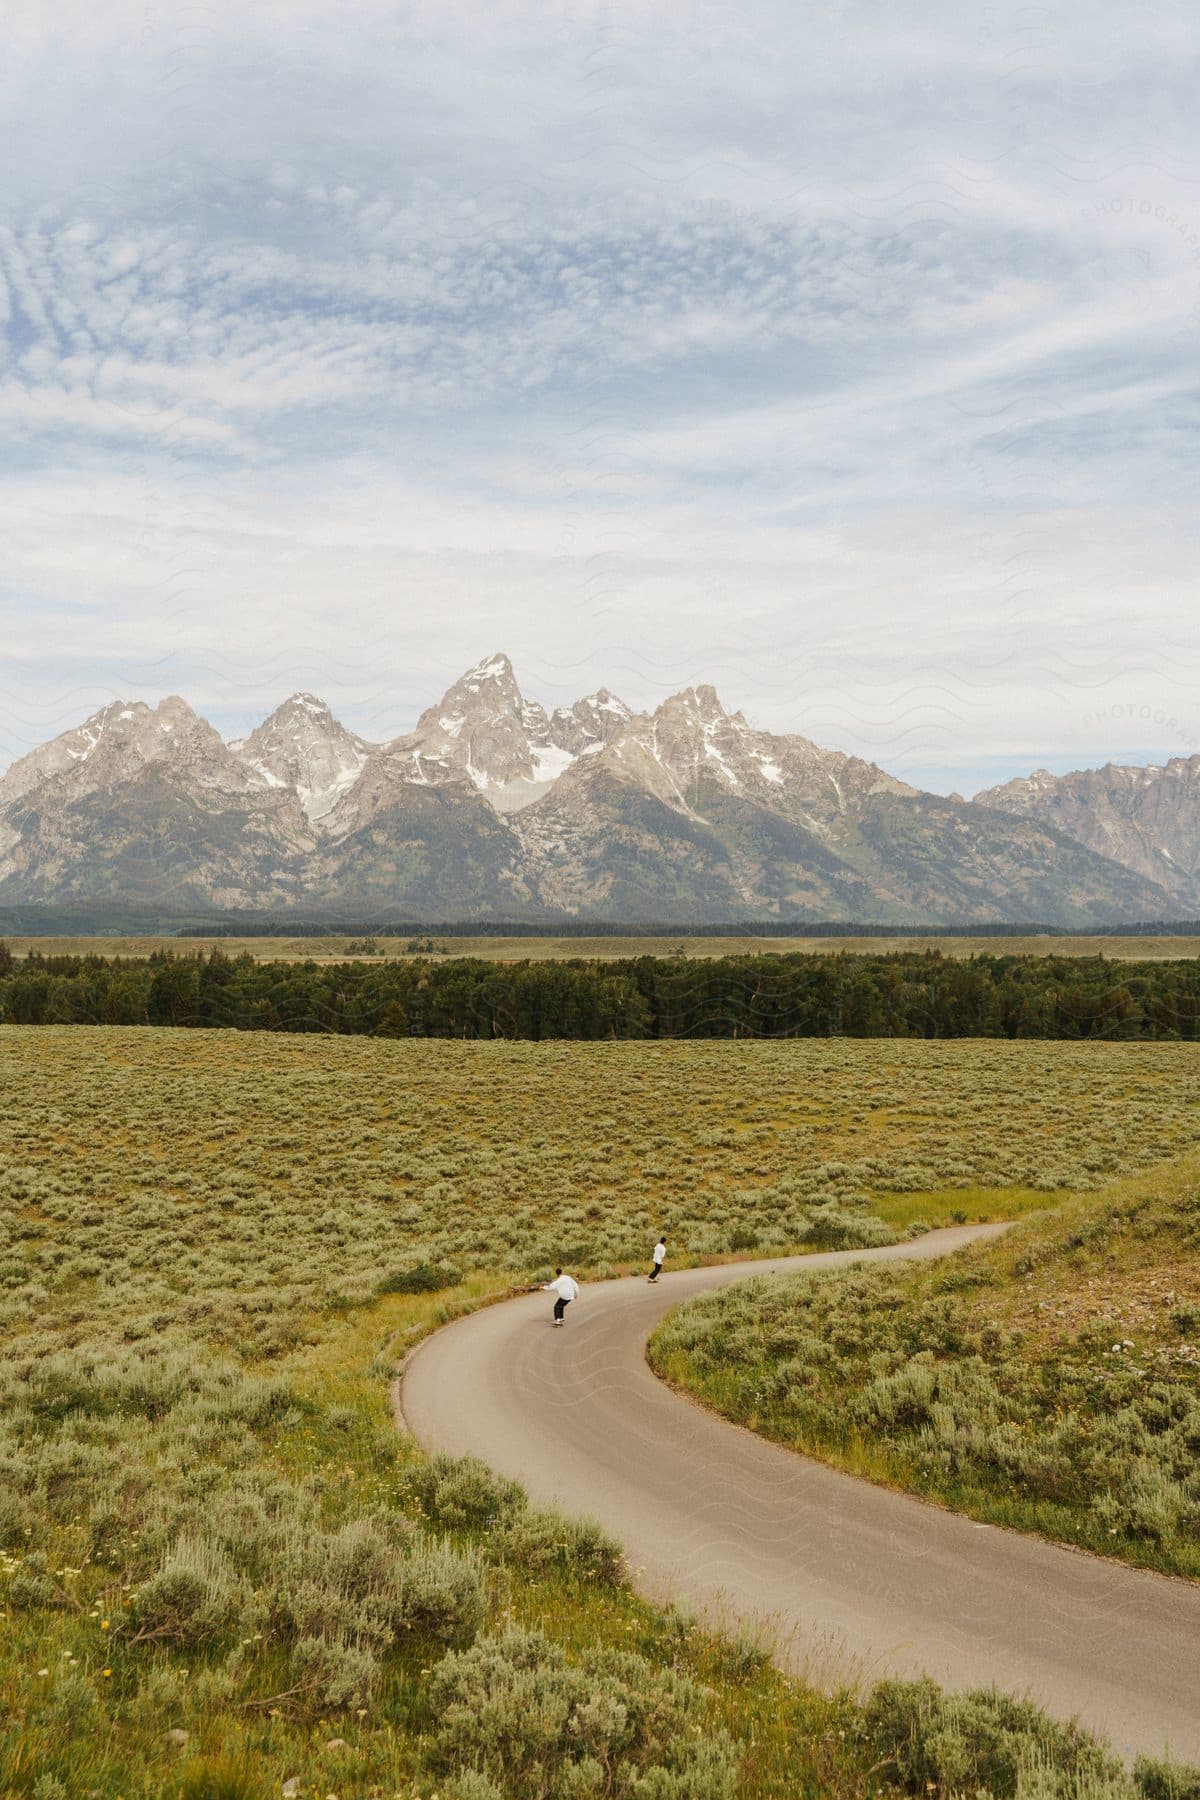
853	1581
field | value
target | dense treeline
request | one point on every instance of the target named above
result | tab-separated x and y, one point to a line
903	994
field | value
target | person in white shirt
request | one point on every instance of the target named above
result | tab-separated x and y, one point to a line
660	1254
565	1289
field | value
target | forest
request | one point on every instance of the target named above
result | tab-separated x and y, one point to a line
898	995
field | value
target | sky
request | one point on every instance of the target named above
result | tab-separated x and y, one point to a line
842	355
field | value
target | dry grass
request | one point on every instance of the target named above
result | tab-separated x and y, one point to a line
253	1181
559	949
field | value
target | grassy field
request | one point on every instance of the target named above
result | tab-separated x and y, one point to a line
559	949
1050	1381
222	1570
241	1179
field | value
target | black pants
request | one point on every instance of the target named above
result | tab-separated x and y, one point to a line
560	1307
655	1271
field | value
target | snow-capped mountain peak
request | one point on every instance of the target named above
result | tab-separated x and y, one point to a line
591	723
686	811
488	689
509	747
114	744
302	746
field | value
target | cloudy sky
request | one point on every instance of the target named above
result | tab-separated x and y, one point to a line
843	354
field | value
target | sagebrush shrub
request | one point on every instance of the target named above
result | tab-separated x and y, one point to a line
443	1592
194	1599
461	1491
515	1710
1157	1780
544	1540
422	1278
981	1740
336	1672
471	1785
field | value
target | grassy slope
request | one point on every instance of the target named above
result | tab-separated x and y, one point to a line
86	1707
191	1341
558	949
1049	1381
87	1711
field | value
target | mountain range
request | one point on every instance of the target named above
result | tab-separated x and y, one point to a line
493	807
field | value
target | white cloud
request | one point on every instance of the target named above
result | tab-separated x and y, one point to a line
837	357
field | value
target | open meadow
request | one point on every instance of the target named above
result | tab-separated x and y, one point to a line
223	1571
328	948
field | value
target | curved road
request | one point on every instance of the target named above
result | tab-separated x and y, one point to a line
851	1581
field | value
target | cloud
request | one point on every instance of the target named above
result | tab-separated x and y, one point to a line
835	357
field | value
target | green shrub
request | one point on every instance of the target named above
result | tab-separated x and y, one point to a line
443	1592
961	1743
425	1278
834	1228
369	1582
703	1771
1148	1505
1165	1781
193	1599
30	1585
741	1657
72	1703
334	1672
543	1540
461	1491
514	1710
471	1785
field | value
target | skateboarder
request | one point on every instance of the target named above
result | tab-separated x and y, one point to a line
565	1289
660	1253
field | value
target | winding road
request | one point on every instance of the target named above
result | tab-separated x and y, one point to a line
850	1580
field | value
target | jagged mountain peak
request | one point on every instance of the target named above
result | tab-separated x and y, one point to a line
510	748
585	727
701	702
496	667
301	715
685	811
705	699
115	741
303	705
490	685
303	747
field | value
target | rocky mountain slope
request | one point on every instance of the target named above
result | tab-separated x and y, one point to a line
1146	819
494	807
304	748
148	803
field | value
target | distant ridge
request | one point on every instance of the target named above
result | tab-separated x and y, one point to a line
69	921
494	809
584	928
